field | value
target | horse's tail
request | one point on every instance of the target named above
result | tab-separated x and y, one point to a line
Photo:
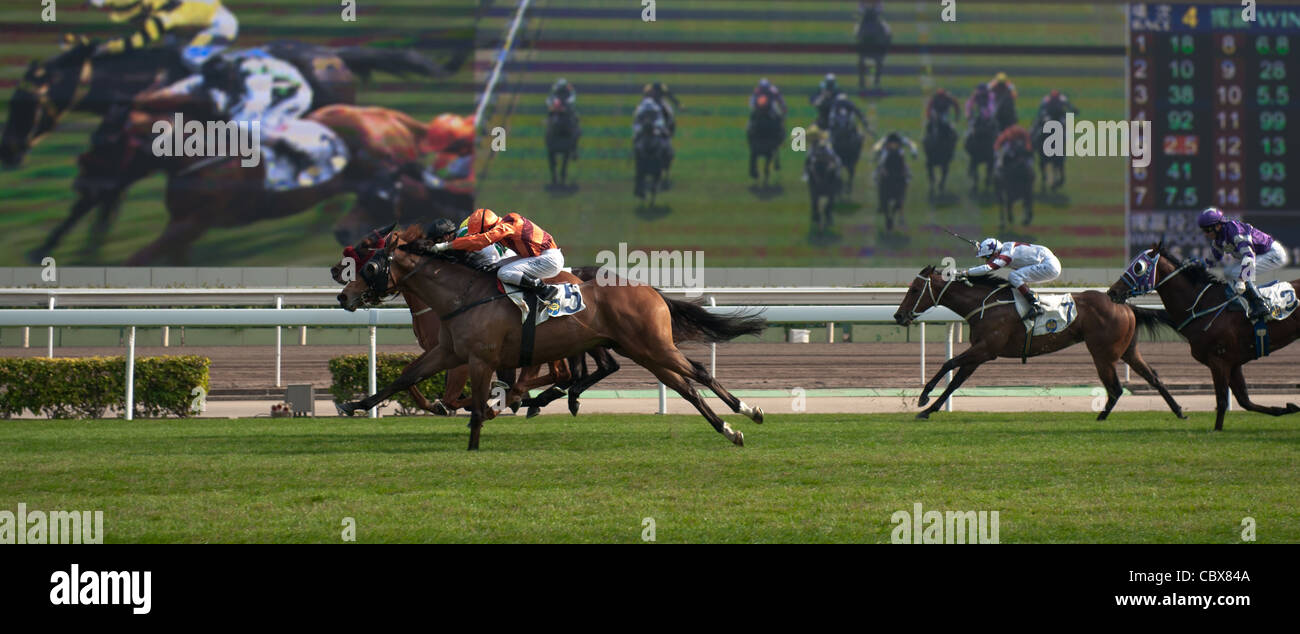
691	322
364	60
1154	320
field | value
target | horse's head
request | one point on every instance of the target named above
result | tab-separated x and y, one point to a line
362	268
45	93
1147	271
920	296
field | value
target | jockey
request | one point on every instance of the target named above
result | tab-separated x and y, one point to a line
649	118
893	142
826	93
819	144
1028	263
939	104
652	100
199	28
451	138
767	89
540	257
1254	250
250	85
981	101
562	93
1000	86
1014	135
843	112
1055	105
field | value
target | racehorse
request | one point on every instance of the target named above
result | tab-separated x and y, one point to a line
207	192
562	134
765	132
874	37
996	330
979	146
822	171
78	81
653	153
891	187
847	140
1005	112
426	324
635	320
1057	162
940	144
1013	180
1195	305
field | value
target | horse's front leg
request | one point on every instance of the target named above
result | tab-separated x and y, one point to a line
422	368
481	384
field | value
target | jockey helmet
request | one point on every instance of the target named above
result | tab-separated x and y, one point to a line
814	134
481	221
829	80
1055	94
893	137
441	227
1210	217
561	83
1000	78
981	87
764	83
447	130
940	92
987	247
127	10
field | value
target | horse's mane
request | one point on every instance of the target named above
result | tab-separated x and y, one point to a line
417	243
1197	274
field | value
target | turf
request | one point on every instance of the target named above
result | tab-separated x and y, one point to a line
1141	477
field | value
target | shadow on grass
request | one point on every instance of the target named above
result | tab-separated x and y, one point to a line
766	192
652	212
562	190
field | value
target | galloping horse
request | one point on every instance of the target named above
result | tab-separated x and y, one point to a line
637	321
940	144
203	193
653	154
1013	179
1057	163
765	132
979	146
891	188
78	81
847	139
562	134
996	330
822	170
426	324
874	37
1195	305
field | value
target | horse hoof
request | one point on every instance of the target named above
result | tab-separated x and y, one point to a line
1102	416
921	402
440	409
758	415
343	410
533	411
923	415
738	439
1292	408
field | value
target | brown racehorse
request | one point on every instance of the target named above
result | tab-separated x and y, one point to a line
425	322
1222	340
996	330
636	321
204	193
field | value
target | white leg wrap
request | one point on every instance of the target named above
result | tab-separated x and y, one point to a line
747	409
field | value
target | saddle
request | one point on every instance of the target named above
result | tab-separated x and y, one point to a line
1059	312
1279	297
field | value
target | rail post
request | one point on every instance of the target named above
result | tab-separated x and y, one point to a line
374	383
279	304
130	374
948	405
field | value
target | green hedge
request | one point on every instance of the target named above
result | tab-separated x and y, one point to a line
92	387
351	375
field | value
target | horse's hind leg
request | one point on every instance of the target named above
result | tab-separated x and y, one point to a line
879	64
670	366
605	366
862	71
1134	360
480	382
753	165
738	406
1104	358
1237	380
550	160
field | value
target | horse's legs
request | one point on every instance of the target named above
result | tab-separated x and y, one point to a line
1060	172
738	406
1104	359
960	377
974	356
80	208
605	366
550	160
679	384
457	377
1238	382
481	376
753	164
1134	359
1029	203
423	367
175	241
1219	372
564	170
879	63
109	206
862	71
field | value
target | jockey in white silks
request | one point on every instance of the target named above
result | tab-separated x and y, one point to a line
1028	263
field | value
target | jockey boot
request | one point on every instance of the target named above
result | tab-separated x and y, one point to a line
544	291
1258	308
1035	307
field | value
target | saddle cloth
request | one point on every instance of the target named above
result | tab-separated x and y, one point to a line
1279	296
1059	312
328	153
568	301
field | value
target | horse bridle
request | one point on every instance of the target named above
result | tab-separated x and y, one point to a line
929	288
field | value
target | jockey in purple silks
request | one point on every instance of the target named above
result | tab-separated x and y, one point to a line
1254	250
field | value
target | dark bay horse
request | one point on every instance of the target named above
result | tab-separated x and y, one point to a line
1221	340
76	80
653	154
873	39
637	321
847	139
940	145
823	170
562	134
979	146
204	193
765	132
996	330
1013	180
891	187
1047	163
